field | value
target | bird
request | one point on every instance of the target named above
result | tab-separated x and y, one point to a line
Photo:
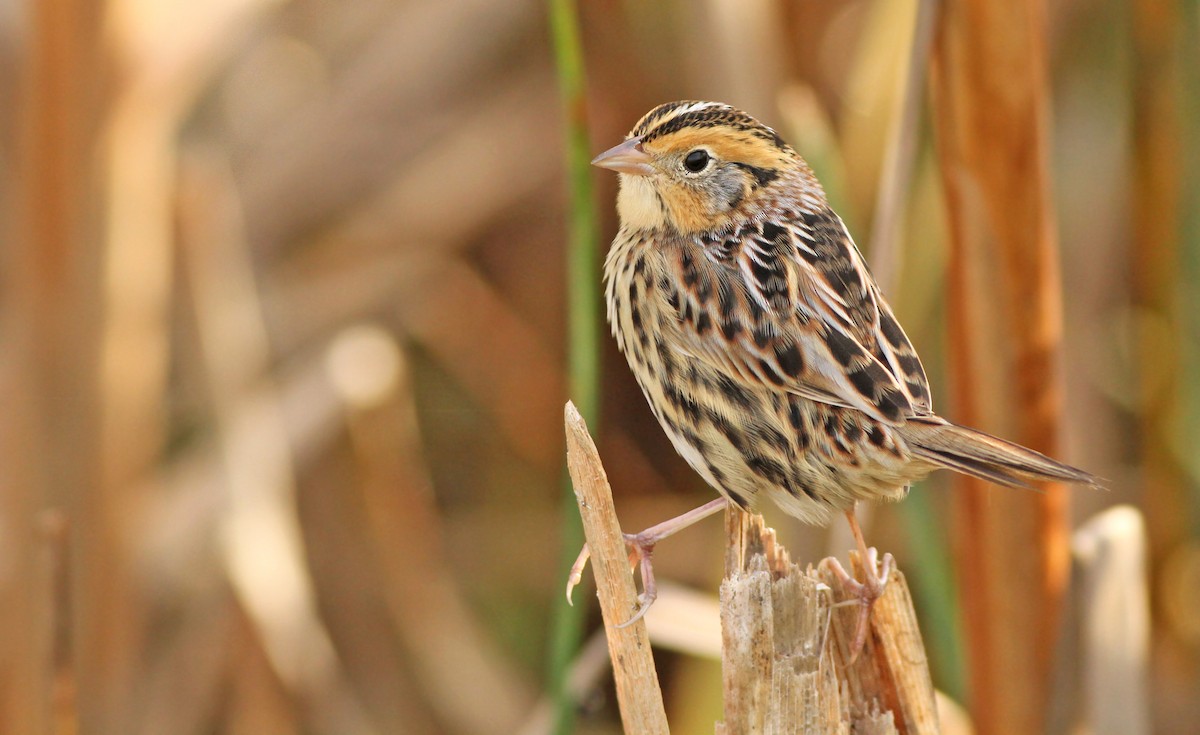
761	341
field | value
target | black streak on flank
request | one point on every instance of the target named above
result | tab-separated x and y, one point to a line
737	498
806	490
683	402
772	436
831	426
664	357
731	433
876	436
767	469
795	415
694	439
703	322
734	393
686	312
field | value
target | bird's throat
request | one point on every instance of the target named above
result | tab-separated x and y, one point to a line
639	205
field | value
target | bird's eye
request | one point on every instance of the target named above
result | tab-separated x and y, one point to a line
696	161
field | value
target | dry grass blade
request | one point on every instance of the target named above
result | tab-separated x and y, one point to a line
638	693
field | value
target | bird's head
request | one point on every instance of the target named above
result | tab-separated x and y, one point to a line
701	166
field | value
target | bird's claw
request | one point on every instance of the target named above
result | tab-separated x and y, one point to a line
867	591
641	547
576	573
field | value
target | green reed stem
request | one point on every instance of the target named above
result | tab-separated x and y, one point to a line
583	323
934	588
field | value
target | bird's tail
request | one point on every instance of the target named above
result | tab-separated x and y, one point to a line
981	455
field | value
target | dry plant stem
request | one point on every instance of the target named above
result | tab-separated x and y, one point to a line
886	251
1157	193
50	374
638	693
787	647
59	680
990	108
1114	604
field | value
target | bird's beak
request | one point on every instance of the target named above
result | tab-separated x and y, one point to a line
627	158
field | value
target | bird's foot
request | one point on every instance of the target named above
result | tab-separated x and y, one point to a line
867	591
641	546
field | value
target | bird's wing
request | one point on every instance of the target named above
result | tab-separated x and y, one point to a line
791	305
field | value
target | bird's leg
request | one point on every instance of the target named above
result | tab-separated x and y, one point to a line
641	546
870	589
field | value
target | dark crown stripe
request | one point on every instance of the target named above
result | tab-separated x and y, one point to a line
658	122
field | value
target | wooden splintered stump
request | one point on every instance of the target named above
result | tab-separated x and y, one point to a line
787	633
786	654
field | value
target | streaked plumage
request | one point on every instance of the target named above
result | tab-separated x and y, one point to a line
757	335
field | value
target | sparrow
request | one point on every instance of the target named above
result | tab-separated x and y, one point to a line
762	343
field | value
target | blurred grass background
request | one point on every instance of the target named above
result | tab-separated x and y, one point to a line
283	341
